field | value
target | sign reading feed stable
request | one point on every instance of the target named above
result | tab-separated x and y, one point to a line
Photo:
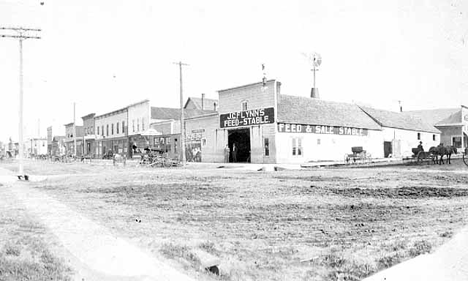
247	118
317	129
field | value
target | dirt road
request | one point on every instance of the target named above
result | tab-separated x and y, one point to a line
319	224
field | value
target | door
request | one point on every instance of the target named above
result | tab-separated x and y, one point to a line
387	148
240	139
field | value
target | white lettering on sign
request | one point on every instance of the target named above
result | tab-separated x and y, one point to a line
248	118
318	129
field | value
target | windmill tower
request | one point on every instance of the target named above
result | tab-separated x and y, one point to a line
315	60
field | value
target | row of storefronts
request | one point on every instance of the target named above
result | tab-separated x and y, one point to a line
257	123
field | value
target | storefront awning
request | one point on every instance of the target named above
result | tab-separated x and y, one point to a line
151	132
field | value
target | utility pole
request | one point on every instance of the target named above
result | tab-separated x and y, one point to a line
74	130
182	116
21	35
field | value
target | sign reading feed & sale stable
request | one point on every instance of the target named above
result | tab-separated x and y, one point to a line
318	129
251	117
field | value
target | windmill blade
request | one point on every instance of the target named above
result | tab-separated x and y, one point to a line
317	60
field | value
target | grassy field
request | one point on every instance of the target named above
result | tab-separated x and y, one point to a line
323	224
25	246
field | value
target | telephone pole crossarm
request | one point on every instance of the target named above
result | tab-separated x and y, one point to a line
19	36
20	29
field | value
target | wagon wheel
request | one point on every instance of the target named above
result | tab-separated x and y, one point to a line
368	158
465	158
346	158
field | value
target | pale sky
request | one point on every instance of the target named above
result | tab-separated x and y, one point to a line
106	54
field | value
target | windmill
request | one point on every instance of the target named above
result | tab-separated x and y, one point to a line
315	60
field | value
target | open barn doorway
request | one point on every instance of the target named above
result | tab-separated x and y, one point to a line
387	149
241	139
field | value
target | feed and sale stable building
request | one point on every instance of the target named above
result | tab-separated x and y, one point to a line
266	126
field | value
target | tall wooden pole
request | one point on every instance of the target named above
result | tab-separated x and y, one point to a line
20	111
74	130
182	115
20	36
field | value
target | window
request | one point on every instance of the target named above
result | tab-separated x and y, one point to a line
138	124
266	147
98	130
133	125
318	141
123	127
117	125
419	136
142	124
296	146
107	130
456	141
433	137
112	129
175	145
244	105
102	130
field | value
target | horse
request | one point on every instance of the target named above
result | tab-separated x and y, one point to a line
435	154
442	150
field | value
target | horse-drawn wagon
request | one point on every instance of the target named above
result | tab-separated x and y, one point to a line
436	154
156	158
420	155
358	154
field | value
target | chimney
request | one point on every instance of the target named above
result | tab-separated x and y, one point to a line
314	93
202	101
215	106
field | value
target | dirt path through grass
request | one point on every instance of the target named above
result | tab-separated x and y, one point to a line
92	245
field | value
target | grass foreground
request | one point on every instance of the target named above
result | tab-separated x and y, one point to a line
25	246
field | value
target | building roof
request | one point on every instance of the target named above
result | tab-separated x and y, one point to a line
399	120
453	119
120	110
91	115
167	113
207	103
256	84
125	109
58	138
304	110
433	116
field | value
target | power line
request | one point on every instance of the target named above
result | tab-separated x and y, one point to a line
21	35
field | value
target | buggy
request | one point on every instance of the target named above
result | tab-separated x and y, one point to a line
421	155
358	153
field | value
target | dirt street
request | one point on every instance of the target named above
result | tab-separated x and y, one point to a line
318	224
